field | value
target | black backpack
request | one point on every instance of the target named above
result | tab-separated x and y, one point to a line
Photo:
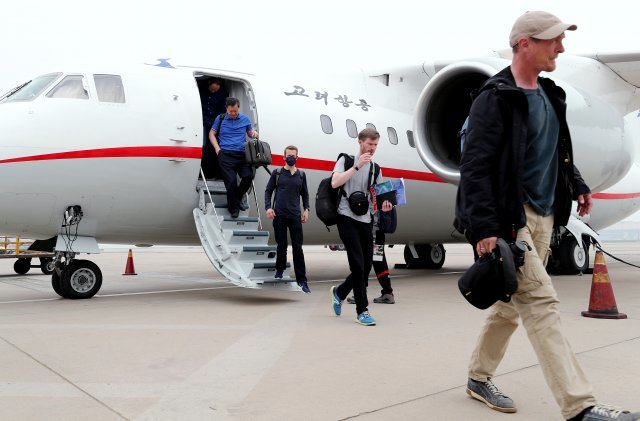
328	198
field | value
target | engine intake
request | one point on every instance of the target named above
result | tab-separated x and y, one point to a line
442	108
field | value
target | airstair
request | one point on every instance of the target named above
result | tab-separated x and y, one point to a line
237	247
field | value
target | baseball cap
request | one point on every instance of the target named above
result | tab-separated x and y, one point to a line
538	24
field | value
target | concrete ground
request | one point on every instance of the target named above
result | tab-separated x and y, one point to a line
177	343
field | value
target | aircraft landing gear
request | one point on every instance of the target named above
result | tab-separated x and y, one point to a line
76	278
567	258
430	256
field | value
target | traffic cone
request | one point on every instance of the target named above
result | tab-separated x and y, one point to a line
130	270
602	303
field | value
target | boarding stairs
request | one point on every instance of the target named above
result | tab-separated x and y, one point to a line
237	247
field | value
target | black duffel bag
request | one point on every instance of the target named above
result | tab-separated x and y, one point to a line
257	153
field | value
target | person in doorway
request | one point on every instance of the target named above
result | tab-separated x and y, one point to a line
290	185
354	222
213	104
518	180
227	136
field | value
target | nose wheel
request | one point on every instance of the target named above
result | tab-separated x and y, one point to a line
78	280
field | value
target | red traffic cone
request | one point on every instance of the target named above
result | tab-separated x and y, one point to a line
602	303
130	270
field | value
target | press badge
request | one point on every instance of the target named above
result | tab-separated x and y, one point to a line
378	252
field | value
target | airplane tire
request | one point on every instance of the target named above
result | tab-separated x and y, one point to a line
22	266
46	265
572	259
57	284
81	279
413	262
434	256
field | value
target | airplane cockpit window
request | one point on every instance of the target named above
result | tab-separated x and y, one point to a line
412	143
30	90
109	88
71	86
327	125
352	129
393	136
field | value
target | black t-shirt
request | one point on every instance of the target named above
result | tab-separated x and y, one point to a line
287	196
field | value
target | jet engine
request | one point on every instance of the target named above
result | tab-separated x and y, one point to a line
603	151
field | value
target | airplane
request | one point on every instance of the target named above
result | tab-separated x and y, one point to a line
111	153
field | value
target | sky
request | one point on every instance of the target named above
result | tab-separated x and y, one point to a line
36	36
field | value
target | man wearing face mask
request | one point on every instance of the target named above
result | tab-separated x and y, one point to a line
290	184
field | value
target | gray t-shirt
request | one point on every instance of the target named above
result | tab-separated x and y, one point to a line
541	156
358	182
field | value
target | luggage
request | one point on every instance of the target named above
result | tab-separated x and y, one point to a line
257	153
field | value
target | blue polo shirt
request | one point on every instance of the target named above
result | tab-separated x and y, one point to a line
232	133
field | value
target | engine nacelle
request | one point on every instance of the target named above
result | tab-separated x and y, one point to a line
442	108
602	150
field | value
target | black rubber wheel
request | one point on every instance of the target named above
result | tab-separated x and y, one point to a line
434	256
81	279
56	284
412	262
46	265
22	266
572	259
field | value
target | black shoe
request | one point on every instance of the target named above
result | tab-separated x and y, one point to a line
602	412
489	393
235	213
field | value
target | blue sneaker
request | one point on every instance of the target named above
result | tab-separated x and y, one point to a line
278	274
336	302
304	286
365	319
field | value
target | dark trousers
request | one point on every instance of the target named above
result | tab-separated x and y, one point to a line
294	224
232	164
357	238
381	268
209	161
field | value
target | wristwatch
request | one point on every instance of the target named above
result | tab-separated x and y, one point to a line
356	168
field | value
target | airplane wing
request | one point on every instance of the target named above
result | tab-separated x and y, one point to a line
625	65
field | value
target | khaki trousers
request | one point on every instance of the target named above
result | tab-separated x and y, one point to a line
535	302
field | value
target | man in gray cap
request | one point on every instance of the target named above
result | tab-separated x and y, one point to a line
518	180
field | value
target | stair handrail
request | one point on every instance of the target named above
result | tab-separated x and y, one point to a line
255	197
213	205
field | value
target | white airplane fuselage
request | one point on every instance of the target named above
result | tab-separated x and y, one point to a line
133	166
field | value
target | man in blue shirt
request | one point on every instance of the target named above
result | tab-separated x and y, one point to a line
227	136
290	185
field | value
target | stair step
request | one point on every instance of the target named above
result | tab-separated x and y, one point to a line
249	237
246	223
261	253
264	271
215	186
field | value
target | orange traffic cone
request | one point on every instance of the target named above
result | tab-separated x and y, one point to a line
130	270
602	303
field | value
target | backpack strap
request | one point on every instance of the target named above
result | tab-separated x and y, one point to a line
277	171
220	118
348	163
372	178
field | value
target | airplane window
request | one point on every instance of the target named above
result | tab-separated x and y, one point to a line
30	90
352	129
393	136
371	126
410	138
69	87
327	125
109	88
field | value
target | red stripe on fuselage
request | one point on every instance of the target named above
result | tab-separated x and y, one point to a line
126	152
196	153
615	196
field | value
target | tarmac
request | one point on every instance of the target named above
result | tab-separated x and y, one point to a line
176	342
